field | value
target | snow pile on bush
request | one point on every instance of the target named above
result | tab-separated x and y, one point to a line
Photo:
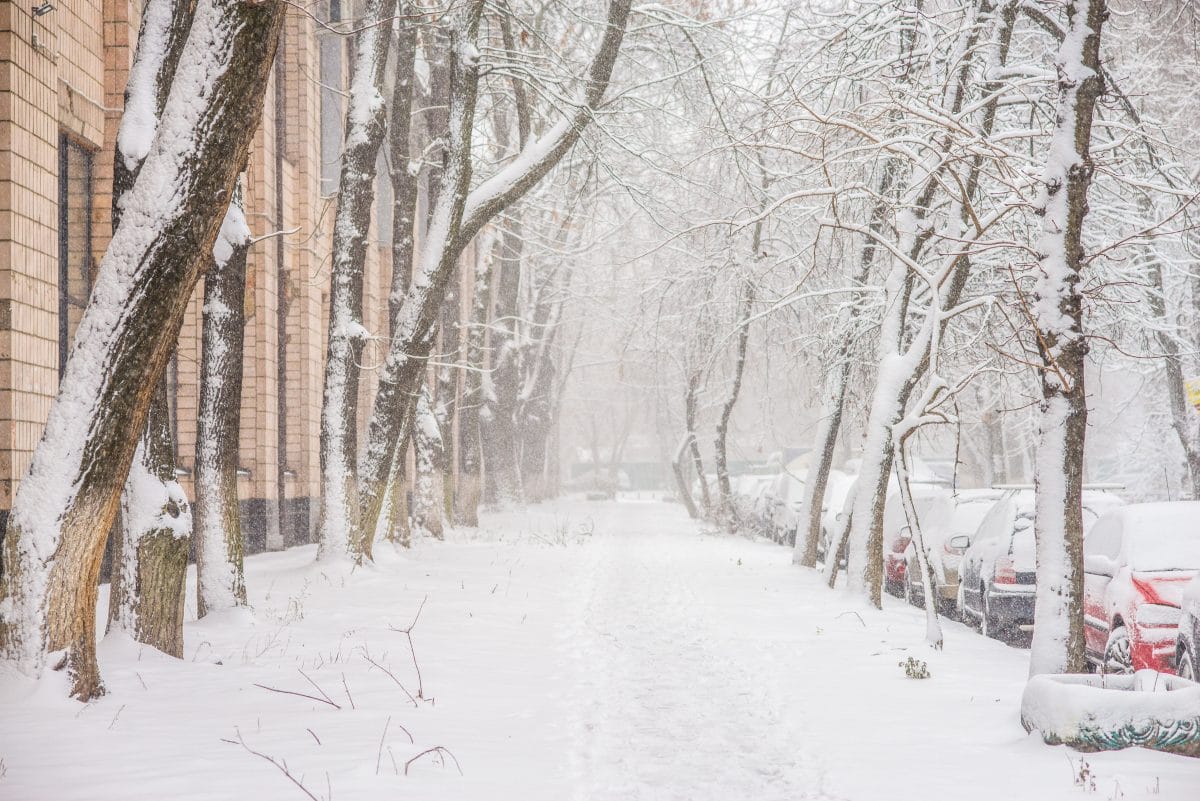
1107	713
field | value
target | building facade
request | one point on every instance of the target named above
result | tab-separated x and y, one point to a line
63	69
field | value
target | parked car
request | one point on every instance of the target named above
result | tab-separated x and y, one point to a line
838	494
897	535
1187	644
1136	562
998	570
786	500
947	527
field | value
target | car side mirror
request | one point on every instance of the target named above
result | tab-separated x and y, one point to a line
1099	565
960	542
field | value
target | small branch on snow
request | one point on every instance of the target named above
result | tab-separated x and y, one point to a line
441	751
392	676
382	737
282	768
856	614
324	700
412	649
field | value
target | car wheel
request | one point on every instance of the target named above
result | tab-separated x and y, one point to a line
1118	652
988	625
910	592
1187	667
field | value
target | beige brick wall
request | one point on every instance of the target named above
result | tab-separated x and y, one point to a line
65	72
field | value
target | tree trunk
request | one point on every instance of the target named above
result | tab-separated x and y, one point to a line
745	308
808	540
690	402
66	504
366	117
427	491
146	599
470	446
220	580
679	468
499	432
1058	644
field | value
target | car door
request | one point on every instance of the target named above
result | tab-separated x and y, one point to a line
1101	549
996	525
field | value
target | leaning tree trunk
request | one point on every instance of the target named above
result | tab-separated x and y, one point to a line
1058	643
1182	416
404	172
739	367
67	502
220	580
808	539
146	599
458	217
366	120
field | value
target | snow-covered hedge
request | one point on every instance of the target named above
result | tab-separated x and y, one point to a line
1107	713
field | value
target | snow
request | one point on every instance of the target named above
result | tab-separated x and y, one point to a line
140	118
1065	706
577	650
234	233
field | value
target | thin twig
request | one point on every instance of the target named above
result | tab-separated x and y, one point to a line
317	687
302	695
382	737
440	751
392	676
282	768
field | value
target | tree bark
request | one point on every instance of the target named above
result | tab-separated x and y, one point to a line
66	504
499	432
428	508
146	598
338	534
220	579
745	309
1058	643
470	445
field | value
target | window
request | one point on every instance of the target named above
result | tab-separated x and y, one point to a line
74	240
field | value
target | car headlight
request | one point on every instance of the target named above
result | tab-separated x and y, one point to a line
1158	615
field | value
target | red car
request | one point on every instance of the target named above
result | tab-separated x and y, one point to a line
1137	560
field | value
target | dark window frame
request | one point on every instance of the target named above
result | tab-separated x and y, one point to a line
66	147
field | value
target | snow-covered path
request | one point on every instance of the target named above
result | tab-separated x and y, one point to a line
598	651
669	704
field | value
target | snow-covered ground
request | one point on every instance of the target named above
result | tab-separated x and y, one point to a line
603	651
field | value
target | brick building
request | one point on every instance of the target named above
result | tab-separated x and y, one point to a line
63	68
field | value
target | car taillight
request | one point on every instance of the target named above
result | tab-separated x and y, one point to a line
1006	572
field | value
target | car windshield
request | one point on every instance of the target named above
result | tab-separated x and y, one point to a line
968	516
1166	549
